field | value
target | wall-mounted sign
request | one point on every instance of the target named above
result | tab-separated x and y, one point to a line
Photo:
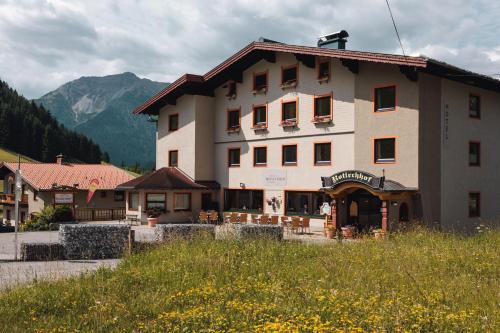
353	176
63	198
274	177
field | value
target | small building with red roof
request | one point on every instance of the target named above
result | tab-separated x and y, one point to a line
63	183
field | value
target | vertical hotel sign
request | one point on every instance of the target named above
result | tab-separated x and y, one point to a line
94	184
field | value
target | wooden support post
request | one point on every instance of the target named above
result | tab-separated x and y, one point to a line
384	211
334	213
131	239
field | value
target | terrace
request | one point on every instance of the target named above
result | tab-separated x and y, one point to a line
10	199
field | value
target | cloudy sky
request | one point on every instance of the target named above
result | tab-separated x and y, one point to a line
44	44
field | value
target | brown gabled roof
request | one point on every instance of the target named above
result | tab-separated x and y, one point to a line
42	176
255	51
167	179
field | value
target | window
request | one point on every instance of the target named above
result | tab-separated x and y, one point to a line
304	203
233	120
234	157
260	82
289	112
474	154
35	195
173	158
385	99
385	150
289	75
324	70
260	156
474	106
231	89
182	201
403	213
119	196
244	200
173	122
322	106
322	153
289	155
133	201
156	200
260	116
474	204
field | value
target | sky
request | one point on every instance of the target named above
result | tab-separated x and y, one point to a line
44	44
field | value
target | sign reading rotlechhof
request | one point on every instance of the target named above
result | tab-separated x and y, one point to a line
63	198
274	177
352	176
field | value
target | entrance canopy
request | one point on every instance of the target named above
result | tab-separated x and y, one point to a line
379	186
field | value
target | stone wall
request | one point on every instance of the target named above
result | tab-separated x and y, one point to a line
83	241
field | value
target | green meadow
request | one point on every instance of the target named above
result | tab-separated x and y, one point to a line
415	282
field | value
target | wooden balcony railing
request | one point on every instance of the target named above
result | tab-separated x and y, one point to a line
10	199
99	214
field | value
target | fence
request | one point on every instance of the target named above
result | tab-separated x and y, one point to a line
99	214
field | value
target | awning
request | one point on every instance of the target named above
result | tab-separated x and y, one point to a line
167	179
376	184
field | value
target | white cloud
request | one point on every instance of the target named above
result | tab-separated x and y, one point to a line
47	43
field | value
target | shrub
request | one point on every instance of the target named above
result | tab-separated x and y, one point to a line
49	214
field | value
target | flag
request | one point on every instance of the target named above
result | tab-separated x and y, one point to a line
94	184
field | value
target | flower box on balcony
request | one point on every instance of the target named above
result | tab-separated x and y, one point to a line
289	84
321	119
230	97
259	126
323	79
289	123
261	90
234	129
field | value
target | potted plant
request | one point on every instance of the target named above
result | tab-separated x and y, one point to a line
153	216
347	231
330	232
379	233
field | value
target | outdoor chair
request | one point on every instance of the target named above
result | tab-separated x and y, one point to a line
214	217
274	219
233	218
227	217
296	225
203	217
306	225
243	217
264	219
255	218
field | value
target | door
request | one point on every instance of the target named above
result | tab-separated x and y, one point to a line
206	201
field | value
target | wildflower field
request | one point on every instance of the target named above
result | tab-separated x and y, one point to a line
416	282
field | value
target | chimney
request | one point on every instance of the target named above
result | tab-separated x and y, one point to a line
334	40
59	159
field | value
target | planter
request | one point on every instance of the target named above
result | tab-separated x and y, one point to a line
152	221
330	233
347	232
379	234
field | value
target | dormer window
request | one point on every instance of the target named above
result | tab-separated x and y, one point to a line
231	90
289	76
324	71
233	120
260	82
385	99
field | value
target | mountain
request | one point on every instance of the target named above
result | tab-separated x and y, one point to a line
101	108
32	131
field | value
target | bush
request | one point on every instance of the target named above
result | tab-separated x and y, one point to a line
41	221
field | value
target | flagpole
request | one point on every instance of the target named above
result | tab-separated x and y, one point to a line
17	198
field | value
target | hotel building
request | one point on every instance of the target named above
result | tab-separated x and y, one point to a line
281	129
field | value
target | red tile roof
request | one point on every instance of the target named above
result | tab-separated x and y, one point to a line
43	175
286	48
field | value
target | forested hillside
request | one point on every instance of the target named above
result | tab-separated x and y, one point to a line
31	130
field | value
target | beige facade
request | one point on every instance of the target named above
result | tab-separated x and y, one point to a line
430	124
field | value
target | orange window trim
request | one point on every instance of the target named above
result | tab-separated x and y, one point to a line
157	192
190	202
249	189
283	102
314	153
129	200
284	68
479	153
229	83
170	156
254	107
322	96
479	106
255	74
395	150
227	117
283	155
170	122
255	162
229	149
374	96
478	194
319	63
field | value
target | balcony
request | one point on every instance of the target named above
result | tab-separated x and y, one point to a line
10	199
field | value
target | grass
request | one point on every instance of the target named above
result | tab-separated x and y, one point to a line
416	282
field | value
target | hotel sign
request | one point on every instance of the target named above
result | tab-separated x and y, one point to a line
63	198
274	177
353	176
